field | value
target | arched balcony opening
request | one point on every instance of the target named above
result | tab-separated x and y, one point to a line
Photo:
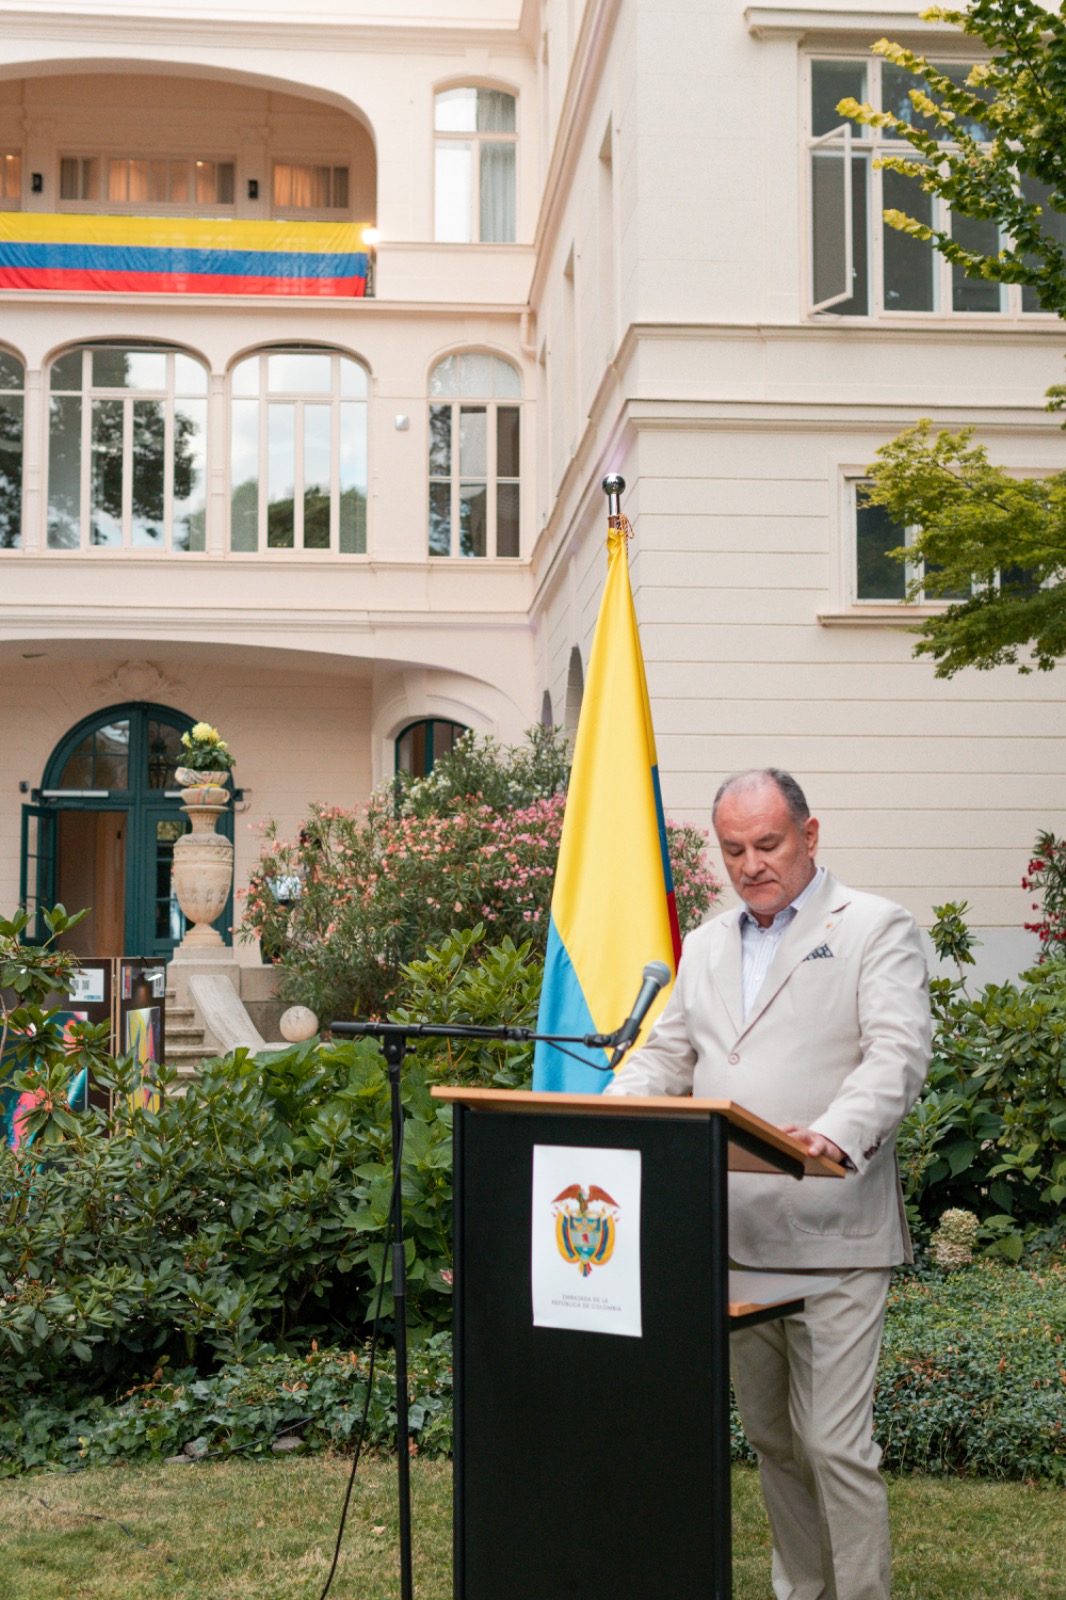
152	180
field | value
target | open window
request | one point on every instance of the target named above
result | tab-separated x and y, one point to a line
832	219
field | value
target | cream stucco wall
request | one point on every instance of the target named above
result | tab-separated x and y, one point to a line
739	421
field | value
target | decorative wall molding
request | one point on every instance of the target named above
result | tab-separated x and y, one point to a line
138	680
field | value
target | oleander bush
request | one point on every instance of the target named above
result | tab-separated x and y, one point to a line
358	895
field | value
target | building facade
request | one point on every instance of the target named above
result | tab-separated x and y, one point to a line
317	336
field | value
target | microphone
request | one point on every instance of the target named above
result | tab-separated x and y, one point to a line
655	974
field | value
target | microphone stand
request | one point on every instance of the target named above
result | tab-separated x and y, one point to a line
395	1041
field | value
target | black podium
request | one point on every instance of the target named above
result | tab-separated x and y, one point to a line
586	1464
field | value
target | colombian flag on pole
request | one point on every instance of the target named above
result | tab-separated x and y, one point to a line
613	901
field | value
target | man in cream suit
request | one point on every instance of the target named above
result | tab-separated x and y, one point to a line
808	1005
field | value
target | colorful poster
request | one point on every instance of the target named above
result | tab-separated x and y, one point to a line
143	1035
16	1104
586	1239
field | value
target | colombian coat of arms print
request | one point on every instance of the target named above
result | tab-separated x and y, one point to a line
585	1226
585	1247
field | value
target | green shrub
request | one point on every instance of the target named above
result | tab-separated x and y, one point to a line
989	1132
973	1373
972	1377
972	1380
243	1407
249	1210
452	985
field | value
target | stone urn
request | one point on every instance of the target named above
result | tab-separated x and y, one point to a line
203	859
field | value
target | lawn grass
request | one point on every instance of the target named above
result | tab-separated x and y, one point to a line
265	1531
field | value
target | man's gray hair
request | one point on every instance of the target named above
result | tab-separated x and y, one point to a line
755	777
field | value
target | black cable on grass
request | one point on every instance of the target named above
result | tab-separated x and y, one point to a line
370	1375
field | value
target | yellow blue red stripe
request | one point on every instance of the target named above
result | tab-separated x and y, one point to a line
612	901
179	255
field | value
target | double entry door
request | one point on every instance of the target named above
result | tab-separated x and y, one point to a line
100	834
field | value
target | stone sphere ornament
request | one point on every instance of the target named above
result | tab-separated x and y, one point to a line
297	1024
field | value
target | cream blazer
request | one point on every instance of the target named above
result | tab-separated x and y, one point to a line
838	1041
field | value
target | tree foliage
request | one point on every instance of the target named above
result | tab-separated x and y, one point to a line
991	144
981	532
977	139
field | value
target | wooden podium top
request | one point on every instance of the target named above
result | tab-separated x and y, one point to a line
746	1123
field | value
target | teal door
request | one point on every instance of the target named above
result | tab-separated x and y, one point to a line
154	921
102	829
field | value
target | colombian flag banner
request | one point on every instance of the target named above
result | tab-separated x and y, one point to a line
613	900
179	255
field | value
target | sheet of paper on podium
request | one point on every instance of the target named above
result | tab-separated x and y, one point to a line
585	1247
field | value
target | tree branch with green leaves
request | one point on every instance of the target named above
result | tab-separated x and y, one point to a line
990	144
977	529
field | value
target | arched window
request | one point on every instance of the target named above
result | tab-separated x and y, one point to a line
475	166
474	456
575	692
127	448
422	743
298	454
11	400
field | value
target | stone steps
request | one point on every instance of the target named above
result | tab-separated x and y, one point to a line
185	1047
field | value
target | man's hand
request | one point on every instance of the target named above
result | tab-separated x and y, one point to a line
817	1143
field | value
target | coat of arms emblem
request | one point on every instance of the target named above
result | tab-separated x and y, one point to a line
586	1226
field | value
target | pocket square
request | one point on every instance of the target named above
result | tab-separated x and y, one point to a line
822	953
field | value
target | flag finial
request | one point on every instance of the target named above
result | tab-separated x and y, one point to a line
613	486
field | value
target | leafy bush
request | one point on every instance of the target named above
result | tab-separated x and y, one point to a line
249	1210
972	1376
989	1132
375	890
504	777
973	1373
501	989
243	1407
971	1380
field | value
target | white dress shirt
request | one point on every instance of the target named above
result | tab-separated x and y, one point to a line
758	945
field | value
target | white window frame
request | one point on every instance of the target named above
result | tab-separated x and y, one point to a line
912	570
868	144
11	202
20	394
491	405
147	208
168	396
296	213
475	139
836	138
299	398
